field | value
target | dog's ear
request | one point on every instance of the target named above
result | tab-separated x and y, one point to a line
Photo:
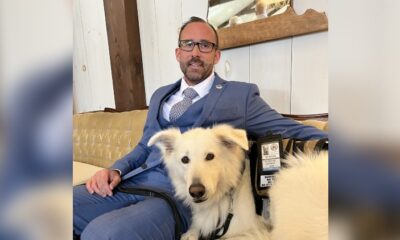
230	136
165	140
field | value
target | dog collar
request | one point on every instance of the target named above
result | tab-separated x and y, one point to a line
224	228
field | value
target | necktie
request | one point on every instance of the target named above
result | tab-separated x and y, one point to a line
180	107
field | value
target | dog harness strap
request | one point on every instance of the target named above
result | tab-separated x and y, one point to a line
224	227
154	193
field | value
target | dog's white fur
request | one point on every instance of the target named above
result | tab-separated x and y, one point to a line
292	204
299	199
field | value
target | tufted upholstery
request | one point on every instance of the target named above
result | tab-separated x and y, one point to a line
100	138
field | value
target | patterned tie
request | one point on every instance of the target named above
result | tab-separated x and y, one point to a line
180	107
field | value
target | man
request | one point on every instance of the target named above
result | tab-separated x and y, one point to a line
200	99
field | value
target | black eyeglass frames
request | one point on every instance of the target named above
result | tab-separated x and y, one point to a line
203	45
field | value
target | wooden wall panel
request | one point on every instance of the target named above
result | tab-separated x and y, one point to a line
234	64
149	44
81	84
159	21
93	88
270	69
125	54
310	66
169	19
310	74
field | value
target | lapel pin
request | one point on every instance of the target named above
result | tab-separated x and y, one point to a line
218	86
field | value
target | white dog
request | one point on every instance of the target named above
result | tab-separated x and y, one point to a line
209	170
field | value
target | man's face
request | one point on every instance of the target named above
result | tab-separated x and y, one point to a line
196	65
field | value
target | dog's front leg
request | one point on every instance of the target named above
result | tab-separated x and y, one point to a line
191	234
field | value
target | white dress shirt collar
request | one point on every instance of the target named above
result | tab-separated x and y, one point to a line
201	88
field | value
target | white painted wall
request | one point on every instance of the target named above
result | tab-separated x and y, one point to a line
310	65
93	86
159	23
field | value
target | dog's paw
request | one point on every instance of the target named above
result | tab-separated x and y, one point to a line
190	235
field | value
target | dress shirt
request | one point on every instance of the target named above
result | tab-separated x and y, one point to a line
201	88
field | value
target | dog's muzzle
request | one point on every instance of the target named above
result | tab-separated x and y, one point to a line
197	191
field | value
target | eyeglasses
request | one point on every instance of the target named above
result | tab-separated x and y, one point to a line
204	46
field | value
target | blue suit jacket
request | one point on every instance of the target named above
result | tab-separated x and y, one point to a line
236	103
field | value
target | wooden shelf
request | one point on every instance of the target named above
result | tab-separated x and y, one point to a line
280	26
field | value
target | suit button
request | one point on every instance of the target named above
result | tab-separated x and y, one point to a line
144	166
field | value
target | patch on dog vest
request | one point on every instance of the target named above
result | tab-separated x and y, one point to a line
269	154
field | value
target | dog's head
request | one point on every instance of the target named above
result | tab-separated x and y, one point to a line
204	164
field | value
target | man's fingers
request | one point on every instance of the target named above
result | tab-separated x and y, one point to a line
97	189
89	186
97	183
104	183
114	182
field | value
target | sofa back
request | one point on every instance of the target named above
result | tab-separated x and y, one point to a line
101	138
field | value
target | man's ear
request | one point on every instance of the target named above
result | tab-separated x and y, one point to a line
217	56
177	54
230	136
165	140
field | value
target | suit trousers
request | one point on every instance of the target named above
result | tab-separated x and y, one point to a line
124	216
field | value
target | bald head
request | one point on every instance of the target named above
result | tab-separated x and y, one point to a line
199	20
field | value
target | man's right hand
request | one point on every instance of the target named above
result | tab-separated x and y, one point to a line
103	182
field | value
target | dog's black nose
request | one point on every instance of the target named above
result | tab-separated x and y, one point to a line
197	190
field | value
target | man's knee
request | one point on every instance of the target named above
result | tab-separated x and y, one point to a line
98	230
150	219
106	227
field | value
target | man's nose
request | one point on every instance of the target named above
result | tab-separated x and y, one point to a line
196	50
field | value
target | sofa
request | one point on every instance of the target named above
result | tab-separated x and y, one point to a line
100	138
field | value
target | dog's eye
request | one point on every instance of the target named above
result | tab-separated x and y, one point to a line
210	156
185	159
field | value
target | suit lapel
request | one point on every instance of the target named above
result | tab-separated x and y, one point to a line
159	100
212	98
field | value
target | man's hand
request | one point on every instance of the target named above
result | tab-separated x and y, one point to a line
103	182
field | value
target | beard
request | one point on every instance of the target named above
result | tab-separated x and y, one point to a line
195	70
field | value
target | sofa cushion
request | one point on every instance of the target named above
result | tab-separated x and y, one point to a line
82	172
101	138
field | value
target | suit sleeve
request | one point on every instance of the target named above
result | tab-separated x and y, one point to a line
136	157
139	154
261	119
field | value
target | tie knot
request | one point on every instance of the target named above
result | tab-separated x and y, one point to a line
190	93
